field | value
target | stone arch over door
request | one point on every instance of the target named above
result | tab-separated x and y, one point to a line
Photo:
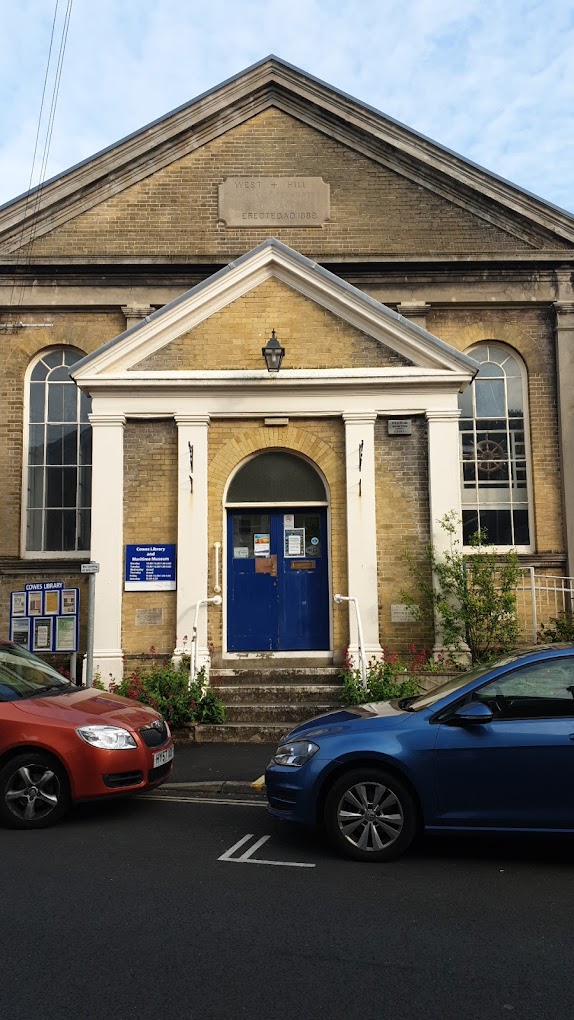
324	451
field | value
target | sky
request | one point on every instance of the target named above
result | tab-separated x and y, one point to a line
491	79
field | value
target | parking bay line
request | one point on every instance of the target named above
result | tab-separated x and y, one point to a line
247	857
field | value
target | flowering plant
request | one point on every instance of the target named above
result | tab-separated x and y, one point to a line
167	689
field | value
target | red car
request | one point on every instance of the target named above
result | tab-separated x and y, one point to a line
60	743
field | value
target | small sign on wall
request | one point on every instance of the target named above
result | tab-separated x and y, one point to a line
401	613
399	426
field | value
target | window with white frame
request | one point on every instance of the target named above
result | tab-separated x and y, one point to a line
59	457
493	449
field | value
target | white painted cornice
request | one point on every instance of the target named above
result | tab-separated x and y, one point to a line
272	82
288	380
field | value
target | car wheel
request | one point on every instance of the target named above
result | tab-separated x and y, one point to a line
370	815
34	791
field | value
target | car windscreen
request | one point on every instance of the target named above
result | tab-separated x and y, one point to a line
23	675
430	697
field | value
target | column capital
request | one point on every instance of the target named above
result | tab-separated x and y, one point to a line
135	313
413	309
359	417
563	309
192	419
107	419
452	414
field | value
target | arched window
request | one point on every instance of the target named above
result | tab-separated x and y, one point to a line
276	477
59	457
493	449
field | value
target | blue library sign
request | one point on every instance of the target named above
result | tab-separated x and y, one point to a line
150	568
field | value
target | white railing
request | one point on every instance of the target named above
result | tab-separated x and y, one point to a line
360	643
215	600
540	599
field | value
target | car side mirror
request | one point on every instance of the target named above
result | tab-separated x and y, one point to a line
472	713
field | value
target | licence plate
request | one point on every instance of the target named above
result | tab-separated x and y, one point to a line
160	757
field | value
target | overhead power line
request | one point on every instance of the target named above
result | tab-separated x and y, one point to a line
34	194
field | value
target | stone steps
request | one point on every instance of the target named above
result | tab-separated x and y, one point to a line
287	715
261	677
263	703
237	733
280	694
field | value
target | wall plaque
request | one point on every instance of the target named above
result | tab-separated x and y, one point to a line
149	617
399	426
274	202
403	614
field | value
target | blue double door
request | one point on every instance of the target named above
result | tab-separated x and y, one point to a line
278	581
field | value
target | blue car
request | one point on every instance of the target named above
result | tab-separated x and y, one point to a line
490	751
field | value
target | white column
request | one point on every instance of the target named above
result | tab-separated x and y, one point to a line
192	533
565	387
107	547
362	530
444	487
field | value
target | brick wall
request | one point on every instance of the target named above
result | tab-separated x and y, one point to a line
403	526
150	516
373	209
313	337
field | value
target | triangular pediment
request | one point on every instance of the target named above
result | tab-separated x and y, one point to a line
275	84
137	353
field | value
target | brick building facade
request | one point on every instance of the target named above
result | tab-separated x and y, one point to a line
426	311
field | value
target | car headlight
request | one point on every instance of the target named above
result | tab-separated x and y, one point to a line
295	752
113	738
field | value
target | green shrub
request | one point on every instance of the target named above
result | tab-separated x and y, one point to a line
167	689
384	683
473	595
561	628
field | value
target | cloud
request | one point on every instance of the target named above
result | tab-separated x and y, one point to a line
491	81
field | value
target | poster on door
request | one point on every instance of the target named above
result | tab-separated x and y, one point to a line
294	539
262	545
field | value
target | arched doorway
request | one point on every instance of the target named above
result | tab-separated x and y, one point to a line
277	556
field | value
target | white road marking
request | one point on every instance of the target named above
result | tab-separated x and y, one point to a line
236	846
247	858
201	800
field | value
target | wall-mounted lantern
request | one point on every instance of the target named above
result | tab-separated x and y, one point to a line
273	353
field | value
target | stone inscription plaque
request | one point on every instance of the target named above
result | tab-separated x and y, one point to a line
274	202
149	617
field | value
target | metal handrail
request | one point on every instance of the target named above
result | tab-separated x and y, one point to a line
361	645
215	600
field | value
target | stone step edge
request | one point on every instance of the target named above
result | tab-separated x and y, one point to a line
316	689
269	671
225	787
240	730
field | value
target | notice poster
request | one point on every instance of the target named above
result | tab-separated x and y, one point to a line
294	542
262	545
69	602
66	634
34	603
20	634
42	634
51	602
18	603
